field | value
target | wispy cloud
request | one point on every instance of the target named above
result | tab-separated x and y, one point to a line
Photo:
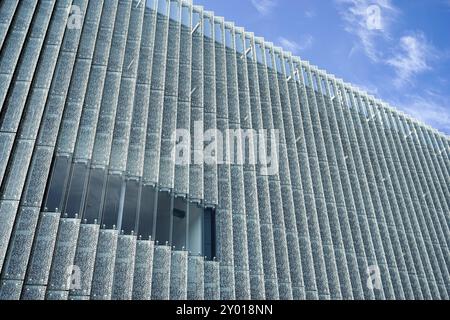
305	42
431	108
264	7
310	14
368	20
412	57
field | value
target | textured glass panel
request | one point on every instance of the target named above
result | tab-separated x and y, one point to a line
112	201
163	217
179	223
195	229
147	211
209	241
97	181
57	185
76	190
130	206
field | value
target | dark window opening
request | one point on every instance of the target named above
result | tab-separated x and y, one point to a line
130	207
76	189
57	185
163	217
147	212
112	201
179	229
94	199
209	238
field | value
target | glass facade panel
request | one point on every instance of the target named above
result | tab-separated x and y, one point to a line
94	199
130	207
113	198
163	218
56	188
179	223
147	212
77	186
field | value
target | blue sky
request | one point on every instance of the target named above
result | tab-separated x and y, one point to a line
403	57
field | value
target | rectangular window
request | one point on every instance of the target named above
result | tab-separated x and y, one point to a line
57	186
163	217
147	212
218	32
94	198
195	236
185	16
208	27
130	207
239	43
209	241
259	53
269	57
174	11
112	201
163	7
151	4
278	62
179	223
77	186
229	38
249	48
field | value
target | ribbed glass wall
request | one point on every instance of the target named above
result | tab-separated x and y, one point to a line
127	129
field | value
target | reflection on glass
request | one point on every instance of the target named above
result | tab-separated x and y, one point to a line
94	197
174	11
239	43
218	32
179	223
163	217
112	201
55	192
229	38
163	7
259	53
77	186
278	62
147	212
195	229
269	58
208	27
130	206
151	4
185	16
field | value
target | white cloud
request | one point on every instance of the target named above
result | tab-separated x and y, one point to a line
368	20
412	57
310	14
305	42
431	108
264	7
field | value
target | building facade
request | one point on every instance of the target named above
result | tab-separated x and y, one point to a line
151	150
